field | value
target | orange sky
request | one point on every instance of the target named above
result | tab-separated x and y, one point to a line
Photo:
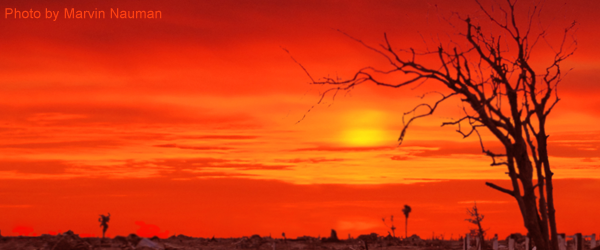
188	124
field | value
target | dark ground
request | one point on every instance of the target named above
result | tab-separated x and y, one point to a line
71	241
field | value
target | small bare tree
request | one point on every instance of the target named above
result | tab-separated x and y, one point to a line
392	227
501	91
104	219
476	218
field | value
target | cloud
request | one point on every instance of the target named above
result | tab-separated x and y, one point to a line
35	166
145	136
308	160
47	118
579	167
65	144
183	163
449	148
345	149
221	174
484	201
187	175
192	147
419	149
119	169
399	158
575	145
179	168
74	111
424	179
222	137
588	159
211	163
572	145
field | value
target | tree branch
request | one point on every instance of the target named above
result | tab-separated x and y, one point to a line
501	189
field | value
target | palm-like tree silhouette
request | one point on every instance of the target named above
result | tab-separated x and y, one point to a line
406	210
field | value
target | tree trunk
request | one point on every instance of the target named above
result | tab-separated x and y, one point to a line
534	224
406	227
543	152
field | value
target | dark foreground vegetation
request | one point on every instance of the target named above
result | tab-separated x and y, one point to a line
72	241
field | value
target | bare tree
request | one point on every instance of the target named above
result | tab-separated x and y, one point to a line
500	91
476	219
393	228
104	223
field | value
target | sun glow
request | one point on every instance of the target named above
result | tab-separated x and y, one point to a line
364	137
364	128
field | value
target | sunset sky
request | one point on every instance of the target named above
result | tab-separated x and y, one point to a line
200	123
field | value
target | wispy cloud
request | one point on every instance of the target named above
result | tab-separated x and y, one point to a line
345	149
308	160
65	144
35	166
484	202
399	158
221	137
192	147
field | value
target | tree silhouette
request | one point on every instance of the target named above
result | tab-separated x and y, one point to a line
393	228
476	219
500	90
406	210
104	223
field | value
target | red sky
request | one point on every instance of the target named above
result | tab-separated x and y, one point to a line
188	124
